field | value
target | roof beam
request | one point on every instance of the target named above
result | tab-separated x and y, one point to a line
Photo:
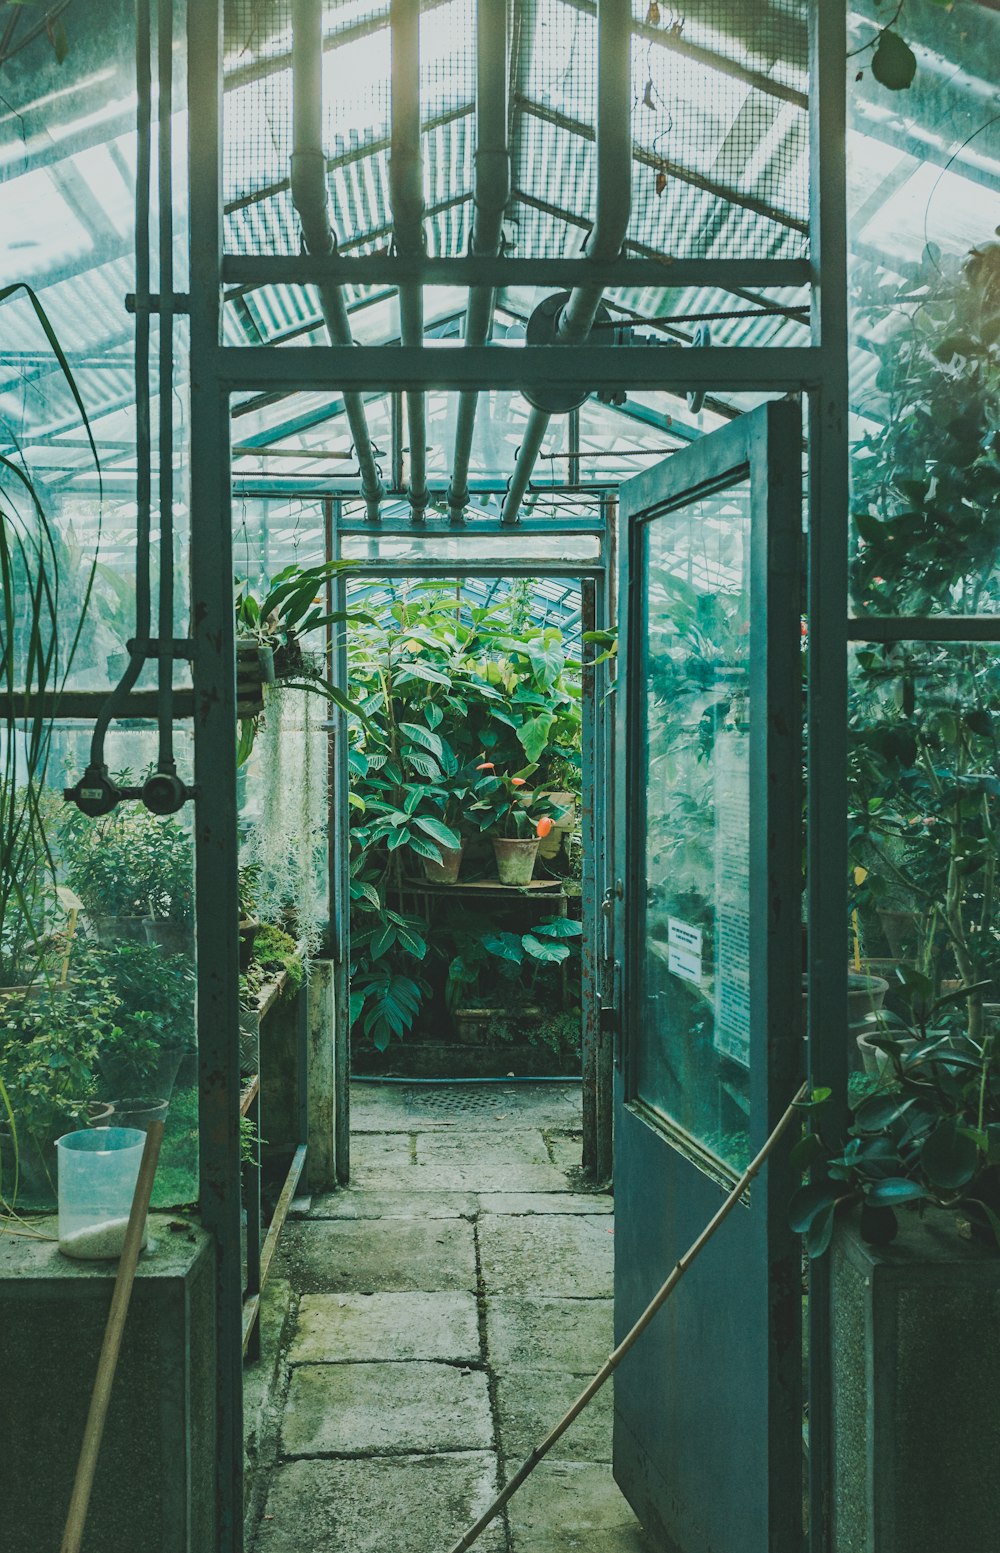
298	369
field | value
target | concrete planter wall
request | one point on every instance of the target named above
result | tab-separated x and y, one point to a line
916	1403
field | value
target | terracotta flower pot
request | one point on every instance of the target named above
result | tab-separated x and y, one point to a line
445	870
515	857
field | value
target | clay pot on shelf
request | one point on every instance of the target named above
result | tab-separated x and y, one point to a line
446	869
515	857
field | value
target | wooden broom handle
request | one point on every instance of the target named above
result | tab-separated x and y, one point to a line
111	1347
611	1364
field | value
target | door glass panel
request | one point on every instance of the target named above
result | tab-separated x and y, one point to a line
692	1067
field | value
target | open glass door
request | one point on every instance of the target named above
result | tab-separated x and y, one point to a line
708	1415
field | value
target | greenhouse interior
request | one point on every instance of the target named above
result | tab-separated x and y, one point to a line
500	776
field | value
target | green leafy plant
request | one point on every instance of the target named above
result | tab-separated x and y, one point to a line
275	953
128	863
281	615
154	992
39	638
50	1044
927	1131
447	694
924	764
505	806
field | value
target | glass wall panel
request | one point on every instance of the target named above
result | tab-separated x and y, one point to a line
102	1029
694	971
924	781
924	179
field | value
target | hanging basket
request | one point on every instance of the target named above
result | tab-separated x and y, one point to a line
254	670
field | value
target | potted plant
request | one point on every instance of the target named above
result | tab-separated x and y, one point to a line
49	1047
154	1025
128	867
272	622
907	1204
516	818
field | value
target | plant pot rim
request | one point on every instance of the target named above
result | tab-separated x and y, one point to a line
516	841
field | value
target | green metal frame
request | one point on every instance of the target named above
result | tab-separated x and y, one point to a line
217	372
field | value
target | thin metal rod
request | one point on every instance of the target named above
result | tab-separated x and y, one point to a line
632	1337
614	207
107	1364
165	193
406	193
309	195
114	703
251	1312
492	195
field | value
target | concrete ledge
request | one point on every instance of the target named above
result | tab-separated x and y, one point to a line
155	1484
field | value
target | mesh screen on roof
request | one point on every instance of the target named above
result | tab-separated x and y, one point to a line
719	126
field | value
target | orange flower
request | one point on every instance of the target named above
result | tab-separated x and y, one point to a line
543	826
487	765
517	781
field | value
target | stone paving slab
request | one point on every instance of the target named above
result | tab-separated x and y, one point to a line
570	1255
518	1203
549	1334
530	1404
375	1150
334	1328
361	1203
418	1504
525	1147
570	1507
467	1174
380	1256
385	1409
567	1150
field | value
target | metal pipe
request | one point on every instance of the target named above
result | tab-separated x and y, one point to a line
309	196
614	205
491	197
165	189
406	194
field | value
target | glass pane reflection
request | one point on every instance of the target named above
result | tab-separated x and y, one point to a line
694	978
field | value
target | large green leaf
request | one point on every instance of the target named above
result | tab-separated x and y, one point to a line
422	763
541	949
534	733
949	1156
438	831
894	63
424	848
507	946
558	927
422	736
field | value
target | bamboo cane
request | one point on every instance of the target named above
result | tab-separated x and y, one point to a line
613	1361
111	1347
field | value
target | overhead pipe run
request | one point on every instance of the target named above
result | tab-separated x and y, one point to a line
406	195
567	319
309	196
492	195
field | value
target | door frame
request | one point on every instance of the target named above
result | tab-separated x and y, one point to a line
593	580
756	445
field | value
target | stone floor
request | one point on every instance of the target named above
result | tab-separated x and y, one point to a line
447	1309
